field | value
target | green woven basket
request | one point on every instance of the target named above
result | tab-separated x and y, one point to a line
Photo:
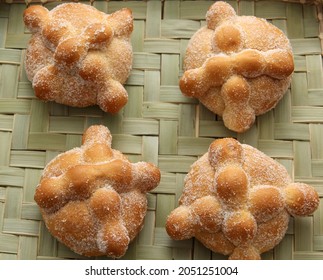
158	124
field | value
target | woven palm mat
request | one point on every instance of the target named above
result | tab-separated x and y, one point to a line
158	125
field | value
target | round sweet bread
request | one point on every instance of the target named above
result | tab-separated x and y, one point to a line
237	66
79	56
237	201
93	199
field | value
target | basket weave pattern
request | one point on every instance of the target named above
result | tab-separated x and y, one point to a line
158	125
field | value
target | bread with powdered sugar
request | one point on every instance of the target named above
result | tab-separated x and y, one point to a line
237	201
93	199
78	55
239	67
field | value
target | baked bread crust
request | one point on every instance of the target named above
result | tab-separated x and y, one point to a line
238	66
79	56
93	199
237	201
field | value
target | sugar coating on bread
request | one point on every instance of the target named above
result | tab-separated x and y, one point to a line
238	66
93	199
237	201
79	56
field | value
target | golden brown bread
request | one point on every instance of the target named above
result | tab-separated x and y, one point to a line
237	201
238	66
93	199
79	56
